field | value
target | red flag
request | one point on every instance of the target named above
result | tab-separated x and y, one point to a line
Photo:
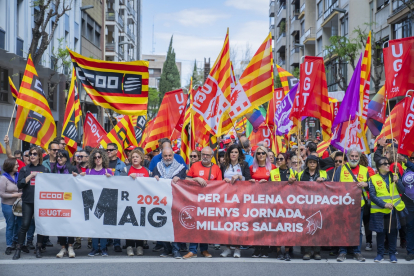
273	105
312	100
405	144
93	132
262	135
398	59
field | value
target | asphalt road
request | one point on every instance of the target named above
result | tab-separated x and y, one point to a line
152	264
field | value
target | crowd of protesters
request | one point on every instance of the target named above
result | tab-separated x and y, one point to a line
378	175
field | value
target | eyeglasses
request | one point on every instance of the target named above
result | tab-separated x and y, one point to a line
55	150
78	156
338	161
294	163
60	157
97	157
261	153
62	144
193	156
26	155
279	159
109	150
385	164
33	154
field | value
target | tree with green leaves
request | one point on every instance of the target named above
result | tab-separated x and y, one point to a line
198	75
170	76
153	102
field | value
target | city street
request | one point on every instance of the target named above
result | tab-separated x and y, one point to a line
152	264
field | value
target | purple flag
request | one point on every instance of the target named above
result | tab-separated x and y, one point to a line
282	121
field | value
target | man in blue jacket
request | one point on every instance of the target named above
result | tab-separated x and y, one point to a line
165	143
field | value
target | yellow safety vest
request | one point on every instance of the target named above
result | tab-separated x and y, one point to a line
275	174
385	195
322	173
362	177
403	166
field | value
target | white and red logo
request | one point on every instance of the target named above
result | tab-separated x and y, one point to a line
56	213
187	217
55	196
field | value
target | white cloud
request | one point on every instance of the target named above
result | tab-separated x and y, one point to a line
194	17
260	6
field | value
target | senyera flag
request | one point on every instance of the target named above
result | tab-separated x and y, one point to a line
93	132
210	103
34	120
123	135
2	149
398	60
172	105
376	112
405	143
393	125
312	99
72	117
13	89
120	86
287	79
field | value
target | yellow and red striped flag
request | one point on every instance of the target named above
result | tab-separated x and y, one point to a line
286	78
2	149
34	119
122	135
72	117
120	86
210	103
187	137
13	89
365	82
145	134
322	147
255	85
397	118
167	118
240	126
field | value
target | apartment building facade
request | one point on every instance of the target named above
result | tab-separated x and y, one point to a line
156	63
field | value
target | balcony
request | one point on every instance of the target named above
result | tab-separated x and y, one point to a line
329	11
272	31
130	9
281	62
110	16
120	53
308	36
302	11
294	24
130	34
110	47
281	9
120	21
280	17
294	56
280	42
272	9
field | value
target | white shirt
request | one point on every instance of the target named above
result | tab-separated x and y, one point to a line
233	170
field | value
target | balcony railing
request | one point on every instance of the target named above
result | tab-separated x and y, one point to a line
294	50
120	53
120	21
280	37
281	62
281	9
130	9
310	33
295	17
272	3
330	10
296	12
110	47
110	16
302	8
130	34
271	27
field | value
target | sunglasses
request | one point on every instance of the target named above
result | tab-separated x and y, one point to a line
279	159
385	164
109	150
97	157
33	154
55	150
26	155
261	153
60	157
294	163
193	156
338	161
62	144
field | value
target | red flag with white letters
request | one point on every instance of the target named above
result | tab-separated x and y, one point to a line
262	135
93	132
405	144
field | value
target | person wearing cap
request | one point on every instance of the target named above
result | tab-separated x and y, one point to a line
227	144
386	208
312	172
233	139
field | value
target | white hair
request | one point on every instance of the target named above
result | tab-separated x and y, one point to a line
353	148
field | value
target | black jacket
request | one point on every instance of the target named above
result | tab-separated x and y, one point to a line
69	166
245	170
27	189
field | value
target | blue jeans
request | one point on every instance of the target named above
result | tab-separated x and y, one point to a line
172	247
392	241
356	249
12	224
410	229
95	242
117	242
193	247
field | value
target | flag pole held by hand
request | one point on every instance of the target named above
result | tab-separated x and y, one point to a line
11	118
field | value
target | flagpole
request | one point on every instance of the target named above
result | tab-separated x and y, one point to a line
238	136
109	118
244	124
395	163
343	154
11	118
299	142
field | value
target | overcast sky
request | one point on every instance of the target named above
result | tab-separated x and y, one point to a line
199	28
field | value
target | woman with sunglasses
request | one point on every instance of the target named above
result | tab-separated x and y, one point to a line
260	172
98	165
195	156
283	173
64	167
386	205
234	168
26	182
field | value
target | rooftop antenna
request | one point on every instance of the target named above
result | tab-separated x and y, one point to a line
153	37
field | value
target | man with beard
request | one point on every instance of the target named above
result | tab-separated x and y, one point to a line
169	168
352	171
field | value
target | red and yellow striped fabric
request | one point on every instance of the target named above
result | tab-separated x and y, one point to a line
365	82
241	125
120	86
284	78
397	119
2	149
187	139
34	120
322	147
13	89
123	135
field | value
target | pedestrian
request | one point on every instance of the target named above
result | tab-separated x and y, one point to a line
312	172
98	165
201	172
272	157
233	169
9	192
386	205
260	172
195	156
26	182
169	168
135	169
164	142
283	173
63	166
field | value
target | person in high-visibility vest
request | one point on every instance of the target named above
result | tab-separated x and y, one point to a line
283	173
386	204
352	171
312	173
